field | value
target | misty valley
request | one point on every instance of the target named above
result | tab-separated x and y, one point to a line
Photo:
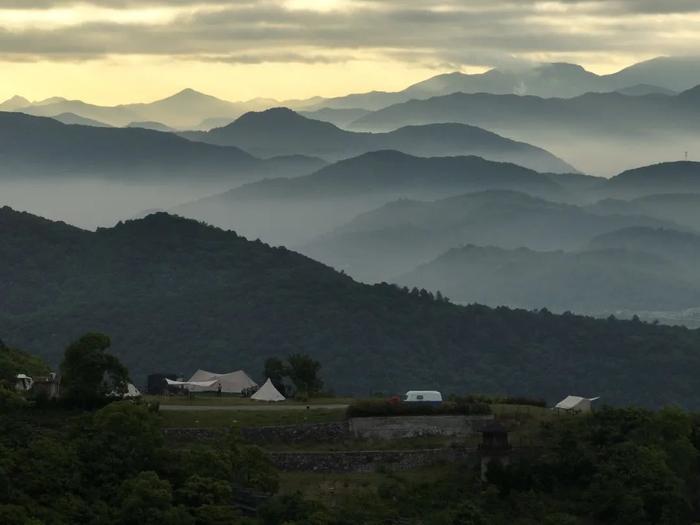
446	207
350	262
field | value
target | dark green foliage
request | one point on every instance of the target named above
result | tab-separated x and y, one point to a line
89	375
381	408
147	499
614	467
178	295
500	400
301	370
13	362
112	467
293	509
276	370
304	373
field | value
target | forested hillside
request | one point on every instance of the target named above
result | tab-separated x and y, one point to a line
177	295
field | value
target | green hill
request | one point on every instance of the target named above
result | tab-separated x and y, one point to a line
395	238
177	295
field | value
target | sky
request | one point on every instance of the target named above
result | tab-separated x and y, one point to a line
119	51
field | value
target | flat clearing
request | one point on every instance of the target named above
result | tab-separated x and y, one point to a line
225	418
211	399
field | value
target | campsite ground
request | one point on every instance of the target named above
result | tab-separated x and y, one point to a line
208	417
524	421
210	399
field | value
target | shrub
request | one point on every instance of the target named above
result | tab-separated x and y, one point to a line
500	400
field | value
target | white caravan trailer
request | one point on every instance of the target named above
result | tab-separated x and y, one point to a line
423	396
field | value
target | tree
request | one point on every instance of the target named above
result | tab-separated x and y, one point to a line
146	499
277	370
304	373
122	440
13	362
89	374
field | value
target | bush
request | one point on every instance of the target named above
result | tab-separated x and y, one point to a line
500	400
10	400
382	408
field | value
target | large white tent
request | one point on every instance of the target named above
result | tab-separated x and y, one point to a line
268	392
575	404
231	383
191	384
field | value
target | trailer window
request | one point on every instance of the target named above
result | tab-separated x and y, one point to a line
419	397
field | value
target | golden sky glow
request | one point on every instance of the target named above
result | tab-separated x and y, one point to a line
111	52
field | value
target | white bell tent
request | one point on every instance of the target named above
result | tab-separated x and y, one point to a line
268	392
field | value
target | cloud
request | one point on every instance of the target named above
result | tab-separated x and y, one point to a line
429	32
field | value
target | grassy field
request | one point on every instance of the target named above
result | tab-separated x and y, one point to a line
207	399
247	418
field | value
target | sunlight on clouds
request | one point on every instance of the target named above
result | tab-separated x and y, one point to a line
297	48
115	80
69	16
316	5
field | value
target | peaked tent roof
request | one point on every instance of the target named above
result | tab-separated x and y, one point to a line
172	382
570	402
268	392
232	383
132	391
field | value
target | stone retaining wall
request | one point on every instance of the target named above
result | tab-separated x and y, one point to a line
369	461
316	432
384	428
400	427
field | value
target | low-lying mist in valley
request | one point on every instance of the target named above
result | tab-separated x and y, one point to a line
93	203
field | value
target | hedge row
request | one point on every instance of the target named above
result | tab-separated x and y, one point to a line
500	400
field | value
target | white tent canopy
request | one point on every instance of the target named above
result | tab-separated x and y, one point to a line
23	382
268	392
232	383
189	384
575	404
132	391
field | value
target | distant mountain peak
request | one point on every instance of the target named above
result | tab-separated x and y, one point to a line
692	93
562	66
282	118
279	112
51	100
17	99
189	92
14	103
189	95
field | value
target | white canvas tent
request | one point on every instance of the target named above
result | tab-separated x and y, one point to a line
23	383
231	383
268	392
575	404
132	391
190	384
